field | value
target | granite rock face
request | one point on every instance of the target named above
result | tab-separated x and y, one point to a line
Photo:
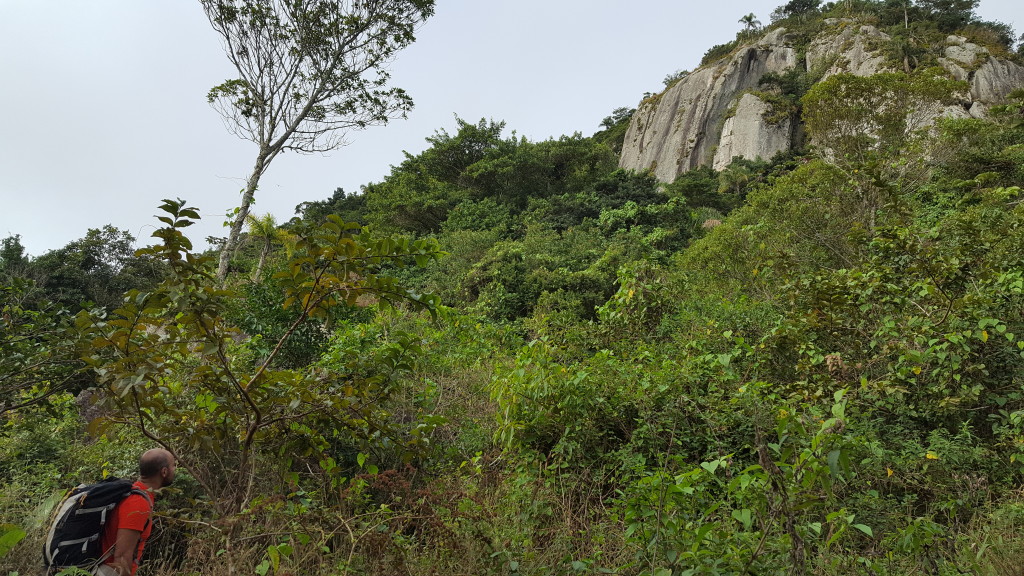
680	129
964	52
750	134
847	47
994	81
715	114
991	79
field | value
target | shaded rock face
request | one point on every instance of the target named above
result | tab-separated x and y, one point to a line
686	126
749	134
680	130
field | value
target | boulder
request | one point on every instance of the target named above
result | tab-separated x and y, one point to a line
955	69
994	81
966	53
962	51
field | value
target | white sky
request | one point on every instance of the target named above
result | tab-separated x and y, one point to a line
103	110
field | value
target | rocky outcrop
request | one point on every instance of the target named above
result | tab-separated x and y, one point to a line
712	116
995	79
751	133
847	47
991	79
680	129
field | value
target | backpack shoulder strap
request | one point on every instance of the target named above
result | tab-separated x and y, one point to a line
149	499
145	494
149	518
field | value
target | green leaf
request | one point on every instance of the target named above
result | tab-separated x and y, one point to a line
743	517
864	529
833	462
10	535
275	557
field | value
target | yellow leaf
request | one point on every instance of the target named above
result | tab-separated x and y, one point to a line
931	455
888	471
984	335
917	369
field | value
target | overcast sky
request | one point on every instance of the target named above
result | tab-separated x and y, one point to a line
103	110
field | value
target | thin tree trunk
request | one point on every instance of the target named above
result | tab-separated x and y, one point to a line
262	160
263	260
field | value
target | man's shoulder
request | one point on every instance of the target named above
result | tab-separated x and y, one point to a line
140	501
140	490
134	512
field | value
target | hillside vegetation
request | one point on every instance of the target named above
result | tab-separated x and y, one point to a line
510	357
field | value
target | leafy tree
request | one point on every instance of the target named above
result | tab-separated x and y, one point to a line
38	349
949	15
796	8
671	79
309	71
13	260
698	187
418	193
871	119
484	214
613	191
621	114
523	170
973	152
614	129
991	33
170	363
96	269
348	207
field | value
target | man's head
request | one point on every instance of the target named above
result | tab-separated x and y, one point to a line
156	468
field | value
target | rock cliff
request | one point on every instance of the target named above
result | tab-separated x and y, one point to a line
679	129
717	113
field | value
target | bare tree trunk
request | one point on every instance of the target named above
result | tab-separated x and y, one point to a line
263	260
262	161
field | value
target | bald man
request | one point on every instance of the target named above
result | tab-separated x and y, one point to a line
125	535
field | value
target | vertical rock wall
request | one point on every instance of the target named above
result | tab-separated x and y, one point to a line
750	133
679	129
711	116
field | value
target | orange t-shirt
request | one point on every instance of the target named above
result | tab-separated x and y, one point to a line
132	514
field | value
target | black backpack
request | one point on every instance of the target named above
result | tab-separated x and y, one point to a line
77	525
